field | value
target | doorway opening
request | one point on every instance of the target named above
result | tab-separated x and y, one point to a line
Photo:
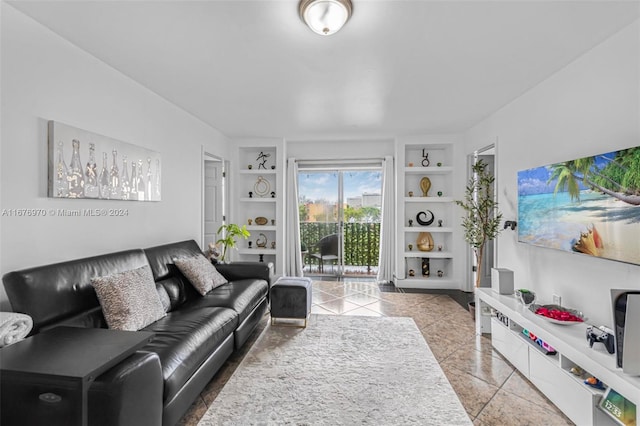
213	197
340	214
489	260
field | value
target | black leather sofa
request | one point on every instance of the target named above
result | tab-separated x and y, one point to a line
157	384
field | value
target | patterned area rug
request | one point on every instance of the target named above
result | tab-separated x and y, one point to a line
340	370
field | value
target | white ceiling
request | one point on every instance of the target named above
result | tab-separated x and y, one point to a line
251	68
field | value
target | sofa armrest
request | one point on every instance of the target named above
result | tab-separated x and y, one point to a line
129	394
247	270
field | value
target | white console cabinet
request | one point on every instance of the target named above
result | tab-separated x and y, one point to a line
505	318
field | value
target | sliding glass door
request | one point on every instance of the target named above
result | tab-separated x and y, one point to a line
340	220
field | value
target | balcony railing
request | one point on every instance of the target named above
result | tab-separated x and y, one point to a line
361	245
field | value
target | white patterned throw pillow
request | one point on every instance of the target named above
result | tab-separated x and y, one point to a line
200	273
129	299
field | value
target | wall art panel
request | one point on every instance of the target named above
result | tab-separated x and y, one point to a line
87	165
588	205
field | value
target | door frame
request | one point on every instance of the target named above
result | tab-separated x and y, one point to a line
339	167
208	157
487	150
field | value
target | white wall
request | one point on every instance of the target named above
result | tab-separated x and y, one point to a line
589	107
46	78
339	149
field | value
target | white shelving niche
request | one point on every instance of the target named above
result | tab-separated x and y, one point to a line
505	318
412	168
259	193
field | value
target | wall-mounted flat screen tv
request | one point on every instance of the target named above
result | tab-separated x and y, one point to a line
588	205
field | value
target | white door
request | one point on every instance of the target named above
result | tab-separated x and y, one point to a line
213	199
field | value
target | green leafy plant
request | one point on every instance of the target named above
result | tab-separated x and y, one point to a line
231	231
482	221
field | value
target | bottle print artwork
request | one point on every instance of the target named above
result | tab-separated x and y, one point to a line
75	177
125	187
61	185
157	179
114	174
140	183
133	188
148	191
91	184
105	191
127	172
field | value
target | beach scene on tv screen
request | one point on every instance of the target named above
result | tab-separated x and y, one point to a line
589	205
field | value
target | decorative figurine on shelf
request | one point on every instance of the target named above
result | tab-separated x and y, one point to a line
261	241
273	167
425	267
410	222
425	222
410	164
250	194
273	194
410	193
439	193
273	244
273	222
440	274
439	247
410	247
262	158
439	164
425	185
249	167
425	158
249	221
439	223
250	244
412	273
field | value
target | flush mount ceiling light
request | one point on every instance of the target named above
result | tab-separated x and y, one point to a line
325	17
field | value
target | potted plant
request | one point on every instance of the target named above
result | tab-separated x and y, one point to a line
482	221
230	232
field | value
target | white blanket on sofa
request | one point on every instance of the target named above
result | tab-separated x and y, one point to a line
14	327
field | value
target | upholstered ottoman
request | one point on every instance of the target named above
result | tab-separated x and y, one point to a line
291	298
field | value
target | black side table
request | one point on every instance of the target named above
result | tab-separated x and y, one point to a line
45	378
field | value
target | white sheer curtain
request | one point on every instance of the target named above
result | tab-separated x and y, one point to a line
293	256
386	261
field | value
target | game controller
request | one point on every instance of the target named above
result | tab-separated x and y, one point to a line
602	335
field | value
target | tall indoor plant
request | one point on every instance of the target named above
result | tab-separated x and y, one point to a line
231	231
482	221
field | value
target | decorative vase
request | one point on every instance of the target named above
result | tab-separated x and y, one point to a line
425	267
424	241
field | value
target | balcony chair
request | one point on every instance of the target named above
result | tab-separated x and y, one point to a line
328	248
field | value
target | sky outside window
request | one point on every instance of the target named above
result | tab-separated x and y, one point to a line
316	186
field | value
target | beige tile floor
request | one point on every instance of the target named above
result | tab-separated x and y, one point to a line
490	389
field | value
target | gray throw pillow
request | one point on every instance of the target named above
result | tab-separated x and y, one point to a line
129	299
200	273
